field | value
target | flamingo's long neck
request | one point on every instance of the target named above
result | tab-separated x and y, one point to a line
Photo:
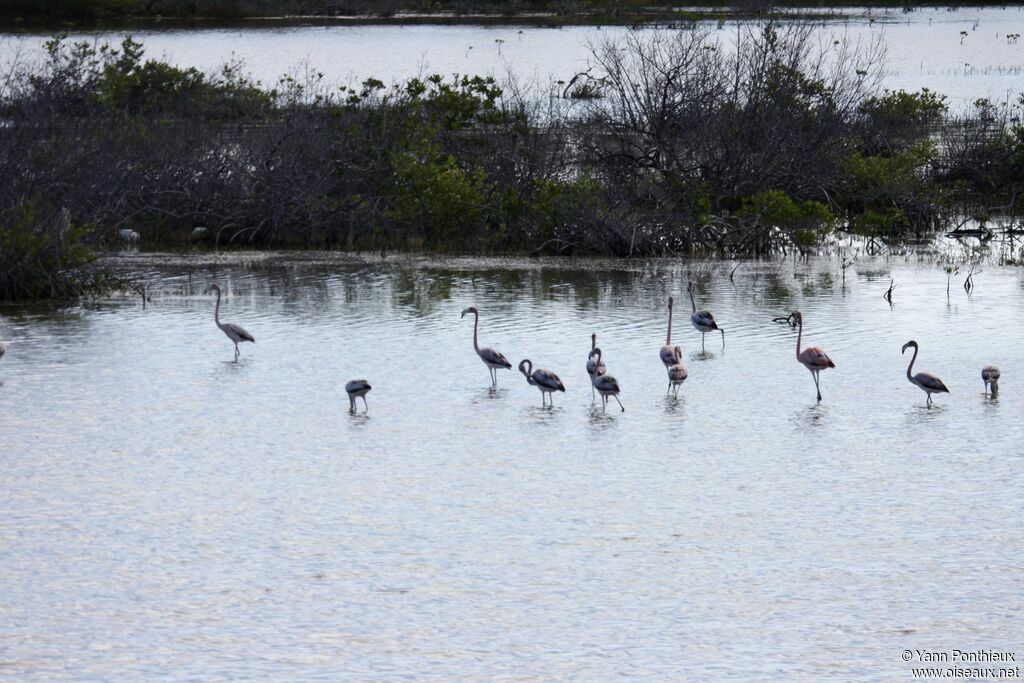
798	336
913	358
216	311
476	321
693	303
668	337
528	372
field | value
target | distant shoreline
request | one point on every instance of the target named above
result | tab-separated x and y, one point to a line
18	15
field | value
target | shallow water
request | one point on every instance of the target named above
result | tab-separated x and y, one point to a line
170	513
925	49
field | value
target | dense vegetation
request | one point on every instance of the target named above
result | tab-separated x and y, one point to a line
670	143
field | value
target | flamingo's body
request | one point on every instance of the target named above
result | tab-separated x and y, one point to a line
236	333
703	321
605	384
545	380
668	354
989	375
813	358
927	382
677	373
355	389
3	349
595	366
492	358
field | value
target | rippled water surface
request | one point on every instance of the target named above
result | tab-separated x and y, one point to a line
168	513
925	48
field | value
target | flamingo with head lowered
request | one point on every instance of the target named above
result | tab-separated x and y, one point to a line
605	384
677	373
703	321
990	376
813	358
355	389
492	358
928	383
236	333
545	380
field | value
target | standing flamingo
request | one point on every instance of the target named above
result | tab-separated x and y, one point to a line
703	321
989	374
492	358
355	389
545	380
668	354
606	385
676	372
813	358
929	383
595	368
236	333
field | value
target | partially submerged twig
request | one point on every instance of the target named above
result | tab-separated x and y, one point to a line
888	293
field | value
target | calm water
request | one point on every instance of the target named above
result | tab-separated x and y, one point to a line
167	513
925	49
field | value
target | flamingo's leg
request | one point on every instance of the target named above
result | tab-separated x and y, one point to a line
365	406
816	384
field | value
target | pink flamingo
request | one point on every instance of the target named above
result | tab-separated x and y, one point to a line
545	380
668	354
676	372
595	366
928	383
813	358
605	384
990	375
492	358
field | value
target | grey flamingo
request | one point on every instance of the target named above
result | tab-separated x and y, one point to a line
677	373
355	389
668	354
703	321
990	375
595	367
492	358
813	358
236	333
928	383
605	384
545	380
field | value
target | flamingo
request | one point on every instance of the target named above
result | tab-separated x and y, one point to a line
545	380
676	372
929	383
355	389
492	358
606	385
668	354
813	358
595	368
236	333
3	349
989	374
703	321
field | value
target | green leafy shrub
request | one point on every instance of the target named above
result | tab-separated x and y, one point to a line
43	256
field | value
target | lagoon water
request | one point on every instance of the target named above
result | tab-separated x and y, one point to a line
925	48
168	513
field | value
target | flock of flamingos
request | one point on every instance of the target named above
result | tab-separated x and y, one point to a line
813	358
